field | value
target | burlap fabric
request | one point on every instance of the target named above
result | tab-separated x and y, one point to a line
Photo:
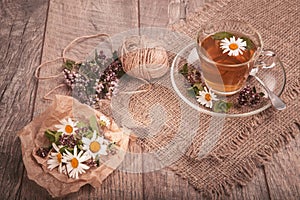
213	161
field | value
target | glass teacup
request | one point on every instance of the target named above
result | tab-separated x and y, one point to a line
228	50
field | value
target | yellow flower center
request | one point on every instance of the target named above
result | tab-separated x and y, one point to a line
102	123
95	146
59	157
207	97
233	46
69	129
74	162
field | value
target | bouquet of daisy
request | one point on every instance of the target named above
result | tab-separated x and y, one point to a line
70	145
77	147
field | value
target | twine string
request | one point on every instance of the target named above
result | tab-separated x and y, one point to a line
52	90
64	58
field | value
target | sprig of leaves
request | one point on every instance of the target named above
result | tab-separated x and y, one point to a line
53	136
194	79
250	44
222	106
184	70
221	35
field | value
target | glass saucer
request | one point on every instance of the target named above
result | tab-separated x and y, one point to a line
274	78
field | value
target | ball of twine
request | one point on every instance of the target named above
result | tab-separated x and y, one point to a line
143	58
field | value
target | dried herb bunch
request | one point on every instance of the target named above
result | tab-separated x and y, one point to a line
94	79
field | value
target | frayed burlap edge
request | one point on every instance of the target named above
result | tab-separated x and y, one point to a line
248	169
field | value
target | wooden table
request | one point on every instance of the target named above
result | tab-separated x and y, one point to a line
34	31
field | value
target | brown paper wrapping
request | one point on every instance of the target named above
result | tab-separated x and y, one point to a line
32	137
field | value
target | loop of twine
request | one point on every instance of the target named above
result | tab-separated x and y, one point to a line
52	90
36	74
85	37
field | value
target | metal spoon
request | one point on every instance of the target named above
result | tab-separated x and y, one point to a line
275	100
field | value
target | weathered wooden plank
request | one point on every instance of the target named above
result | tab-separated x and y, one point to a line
66	21
256	189
165	184
126	182
21	35
283	173
154	13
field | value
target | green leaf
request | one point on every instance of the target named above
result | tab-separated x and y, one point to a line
250	44
50	136
194	90
261	94
80	145
198	86
89	134
184	71
79	142
81	124
191	92
96	54
53	136
222	106
94	123
71	150
115	55
254	89
63	149
221	35
97	58
68	64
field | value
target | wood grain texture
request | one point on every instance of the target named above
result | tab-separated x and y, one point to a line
154	14
123	184
256	189
21	38
283	173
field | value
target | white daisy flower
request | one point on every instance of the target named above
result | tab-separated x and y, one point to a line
75	162
55	159
67	127
232	46
95	146
104	121
206	98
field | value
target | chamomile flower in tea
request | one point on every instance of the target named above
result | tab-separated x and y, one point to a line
227	60
67	127
233	46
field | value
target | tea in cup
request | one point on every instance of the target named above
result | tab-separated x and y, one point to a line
228	50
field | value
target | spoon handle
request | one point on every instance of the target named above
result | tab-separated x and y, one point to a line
275	100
